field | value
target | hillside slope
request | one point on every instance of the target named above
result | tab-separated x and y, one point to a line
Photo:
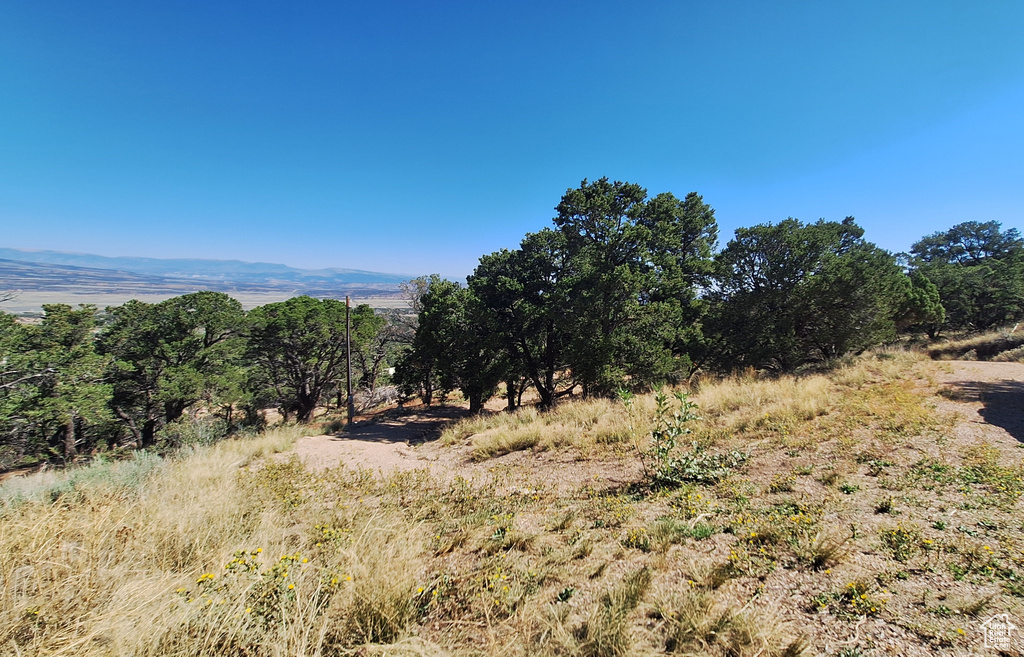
877	511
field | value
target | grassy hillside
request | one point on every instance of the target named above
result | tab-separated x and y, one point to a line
1006	345
858	522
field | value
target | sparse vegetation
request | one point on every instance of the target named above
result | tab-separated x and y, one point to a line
236	548
1005	346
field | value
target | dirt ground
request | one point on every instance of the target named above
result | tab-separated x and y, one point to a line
401	442
409	442
988	396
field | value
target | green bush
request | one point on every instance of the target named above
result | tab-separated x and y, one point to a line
665	464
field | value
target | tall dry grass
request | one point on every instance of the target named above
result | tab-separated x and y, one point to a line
747	407
201	554
583	424
1005	344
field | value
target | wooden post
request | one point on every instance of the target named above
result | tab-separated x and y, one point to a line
348	357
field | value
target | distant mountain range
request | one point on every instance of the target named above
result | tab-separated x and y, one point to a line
54	270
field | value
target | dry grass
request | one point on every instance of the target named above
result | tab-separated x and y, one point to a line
202	556
1003	345
879	390
699	621
583	424
738	405
233	550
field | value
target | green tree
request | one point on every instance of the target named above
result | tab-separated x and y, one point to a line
609	297
969	243
371	342
978	270
300	345
170	355
633	269
524	294
924	310
75	397
456	345
53	395
791	293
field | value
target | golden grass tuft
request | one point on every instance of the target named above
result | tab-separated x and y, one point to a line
698	620
1000	345
579	423
879	388
741	404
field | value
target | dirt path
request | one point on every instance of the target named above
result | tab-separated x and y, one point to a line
400	443
989	395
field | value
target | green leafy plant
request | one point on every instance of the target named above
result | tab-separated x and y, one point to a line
664	463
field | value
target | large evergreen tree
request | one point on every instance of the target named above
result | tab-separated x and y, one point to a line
53	394
606	299
170	355
978	270
791	293
525	294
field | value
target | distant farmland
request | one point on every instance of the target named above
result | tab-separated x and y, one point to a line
38	283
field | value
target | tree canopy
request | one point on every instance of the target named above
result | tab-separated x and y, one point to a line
622	291
790	293
605	298
978	270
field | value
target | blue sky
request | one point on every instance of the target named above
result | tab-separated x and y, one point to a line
413	137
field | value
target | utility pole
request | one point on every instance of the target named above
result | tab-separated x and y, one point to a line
348	357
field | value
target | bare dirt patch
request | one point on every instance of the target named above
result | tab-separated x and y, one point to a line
396	441
384	443
990	397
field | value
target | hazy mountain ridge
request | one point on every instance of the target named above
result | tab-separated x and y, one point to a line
232	271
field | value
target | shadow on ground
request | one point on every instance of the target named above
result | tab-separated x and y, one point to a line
423	425
1003	403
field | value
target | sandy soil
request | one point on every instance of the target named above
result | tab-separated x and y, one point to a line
409	442
404	442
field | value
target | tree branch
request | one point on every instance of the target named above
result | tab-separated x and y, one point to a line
29	377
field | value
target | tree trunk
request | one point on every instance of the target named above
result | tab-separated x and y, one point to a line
173	410
547	399
510	394
305	407
428	391
136	434
70	449
149	432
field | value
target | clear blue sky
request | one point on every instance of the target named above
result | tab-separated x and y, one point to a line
415	137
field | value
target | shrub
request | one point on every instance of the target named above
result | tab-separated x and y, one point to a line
192	432
669	466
